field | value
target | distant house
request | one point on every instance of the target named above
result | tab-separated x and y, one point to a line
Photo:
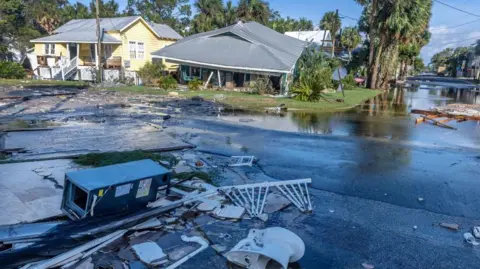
314	38
127	42
236	55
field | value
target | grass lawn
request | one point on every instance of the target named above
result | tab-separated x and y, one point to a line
36	83
248	101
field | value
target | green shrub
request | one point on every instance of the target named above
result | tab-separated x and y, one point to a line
167	83
195	84
12	70
308	88
150	71
349	82
263	85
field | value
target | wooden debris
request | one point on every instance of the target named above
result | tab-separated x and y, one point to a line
436	122
451	226
27	129
431	113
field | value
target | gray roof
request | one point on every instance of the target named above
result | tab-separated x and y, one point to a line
114	24
96	178
249	46
164	30
79	36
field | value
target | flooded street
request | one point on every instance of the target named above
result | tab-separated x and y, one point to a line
385	117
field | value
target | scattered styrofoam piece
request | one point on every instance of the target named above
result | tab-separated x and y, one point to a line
229	212
470	239
275	202
476	232
261	246
150	253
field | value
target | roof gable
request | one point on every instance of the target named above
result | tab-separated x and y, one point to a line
117	24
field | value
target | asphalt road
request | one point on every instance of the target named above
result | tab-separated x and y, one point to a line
368	194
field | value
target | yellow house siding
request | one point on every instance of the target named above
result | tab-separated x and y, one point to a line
60	49
139	32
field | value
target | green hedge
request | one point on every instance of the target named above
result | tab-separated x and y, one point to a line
12	70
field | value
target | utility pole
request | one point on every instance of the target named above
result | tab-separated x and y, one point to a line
333	34
99	44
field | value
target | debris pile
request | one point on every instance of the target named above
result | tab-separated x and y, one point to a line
440	115
169	231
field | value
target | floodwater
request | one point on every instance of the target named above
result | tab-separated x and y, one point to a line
386	116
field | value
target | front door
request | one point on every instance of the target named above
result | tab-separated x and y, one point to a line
72	51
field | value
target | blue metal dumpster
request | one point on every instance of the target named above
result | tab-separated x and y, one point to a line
112	189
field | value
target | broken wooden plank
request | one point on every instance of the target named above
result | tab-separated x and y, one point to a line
439	123
27	130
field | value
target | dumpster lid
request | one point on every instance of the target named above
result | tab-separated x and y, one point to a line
95	178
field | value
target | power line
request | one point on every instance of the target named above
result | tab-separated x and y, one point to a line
456	8
458	25
460	41
348	17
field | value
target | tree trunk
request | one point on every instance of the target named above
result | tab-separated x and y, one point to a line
333	47
373	70
405	69
388	65
371	37
400	74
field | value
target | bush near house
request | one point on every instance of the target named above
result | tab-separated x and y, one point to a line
167	83
12	70
150	71
195	84
262	86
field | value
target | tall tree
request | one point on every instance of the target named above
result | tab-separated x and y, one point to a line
391	23
350	39
108	9
76	11
175	13
331	22
45	15
254	10
230	14
303	24
209	17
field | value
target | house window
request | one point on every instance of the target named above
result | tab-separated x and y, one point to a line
108	51
140	50
133	49
137	50
50	49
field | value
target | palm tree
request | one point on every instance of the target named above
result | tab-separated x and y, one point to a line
254	10
209	17
229	13
350	39
331	22
304	24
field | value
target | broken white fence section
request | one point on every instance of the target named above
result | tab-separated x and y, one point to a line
242	161
261	246
254	196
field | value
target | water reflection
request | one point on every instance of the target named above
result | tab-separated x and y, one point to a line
387	116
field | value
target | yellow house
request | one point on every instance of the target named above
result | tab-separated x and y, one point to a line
126	45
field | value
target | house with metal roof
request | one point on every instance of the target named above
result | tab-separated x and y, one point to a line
236	55
126	45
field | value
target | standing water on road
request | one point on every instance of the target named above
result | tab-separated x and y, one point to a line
386	116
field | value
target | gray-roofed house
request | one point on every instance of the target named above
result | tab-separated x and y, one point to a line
127	43
235	55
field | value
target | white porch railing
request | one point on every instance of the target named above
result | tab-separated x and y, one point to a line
68	67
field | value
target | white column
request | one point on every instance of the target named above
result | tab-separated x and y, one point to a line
97	59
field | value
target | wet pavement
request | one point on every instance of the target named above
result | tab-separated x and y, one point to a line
378	172
376	175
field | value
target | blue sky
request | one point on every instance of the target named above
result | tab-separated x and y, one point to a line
443	18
